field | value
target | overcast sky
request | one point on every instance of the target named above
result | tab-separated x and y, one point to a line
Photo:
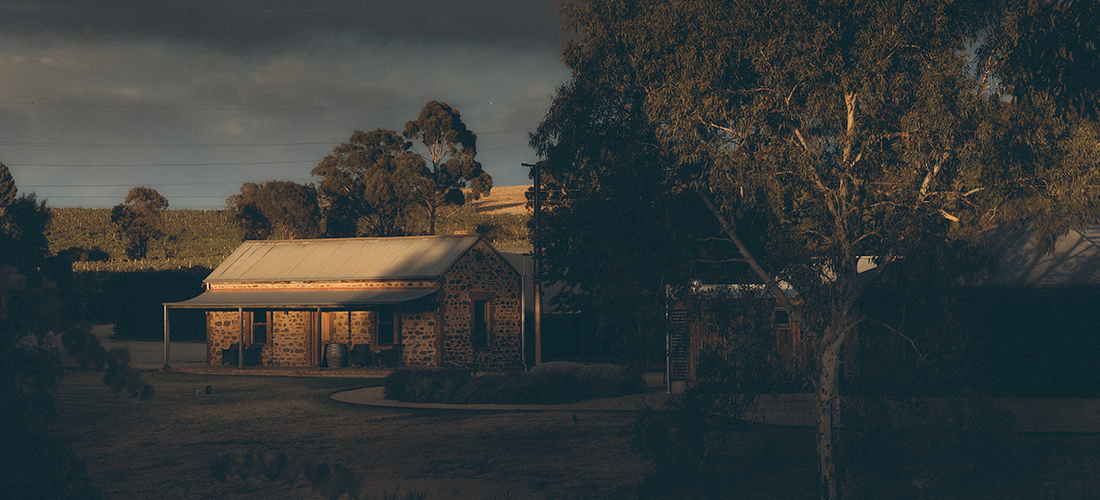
195	97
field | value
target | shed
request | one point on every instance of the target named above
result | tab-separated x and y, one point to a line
431	301
1034	323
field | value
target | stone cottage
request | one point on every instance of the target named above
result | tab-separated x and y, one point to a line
433	301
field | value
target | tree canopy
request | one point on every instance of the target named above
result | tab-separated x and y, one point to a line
376	182
816	133
450	150
373	178
281	210
7	188
1046	50
140	218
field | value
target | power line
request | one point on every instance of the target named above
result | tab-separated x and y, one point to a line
220	108
205	145
311	161
159	146
152	184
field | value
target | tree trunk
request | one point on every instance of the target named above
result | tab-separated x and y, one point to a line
827	386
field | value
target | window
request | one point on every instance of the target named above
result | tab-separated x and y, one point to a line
479	337
260	322
481	319
386	327
781	319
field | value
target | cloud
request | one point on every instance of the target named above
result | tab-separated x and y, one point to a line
246	91
258	25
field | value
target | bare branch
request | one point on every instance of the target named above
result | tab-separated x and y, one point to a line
765	276
805	145
719	127
850	99
902	335
988	69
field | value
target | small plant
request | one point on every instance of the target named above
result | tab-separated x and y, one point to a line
330	481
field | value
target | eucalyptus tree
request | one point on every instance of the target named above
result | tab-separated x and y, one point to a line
7	188
140	218
373	178
281	210
450	150
1046	50
828	131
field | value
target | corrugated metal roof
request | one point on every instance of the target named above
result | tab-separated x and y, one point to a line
1073	261
269	299
423	257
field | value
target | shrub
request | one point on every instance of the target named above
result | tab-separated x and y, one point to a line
552	383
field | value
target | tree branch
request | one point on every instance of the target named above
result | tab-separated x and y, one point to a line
768	278
902	335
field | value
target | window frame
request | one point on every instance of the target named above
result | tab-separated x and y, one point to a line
265	315
394	323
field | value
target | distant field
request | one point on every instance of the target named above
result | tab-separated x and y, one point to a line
203	238
504	200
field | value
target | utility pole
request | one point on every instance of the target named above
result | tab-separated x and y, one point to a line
538	262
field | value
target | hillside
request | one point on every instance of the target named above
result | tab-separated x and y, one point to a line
205	237
503	200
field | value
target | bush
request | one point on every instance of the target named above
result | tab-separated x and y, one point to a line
551	383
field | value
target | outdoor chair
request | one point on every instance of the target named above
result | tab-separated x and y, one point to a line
231	356
390	358
252	353
360	355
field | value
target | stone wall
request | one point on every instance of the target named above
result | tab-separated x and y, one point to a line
361	330
420	339
483	273
289	341
222	329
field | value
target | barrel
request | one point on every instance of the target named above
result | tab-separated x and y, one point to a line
336	355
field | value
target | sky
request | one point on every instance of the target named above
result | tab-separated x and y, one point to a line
195	97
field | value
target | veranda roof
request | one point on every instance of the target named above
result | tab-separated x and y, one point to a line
292	299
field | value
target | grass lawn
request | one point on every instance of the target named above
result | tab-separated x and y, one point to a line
161	448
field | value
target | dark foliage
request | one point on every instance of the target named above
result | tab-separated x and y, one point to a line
329	481
948	446
135	301
23	225
35	462
7	188
79	254
450	151
371	180
1047	50
686	440
454	386
280	210
140	219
